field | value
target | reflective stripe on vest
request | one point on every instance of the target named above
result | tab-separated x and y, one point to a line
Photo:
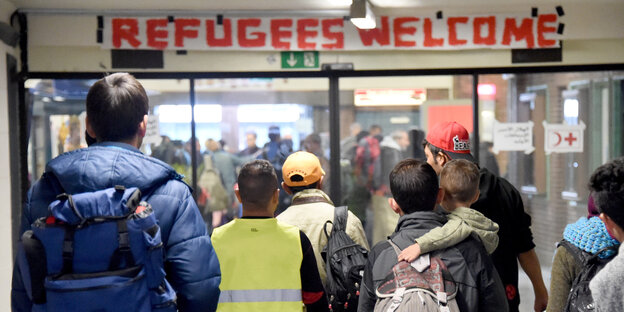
260	295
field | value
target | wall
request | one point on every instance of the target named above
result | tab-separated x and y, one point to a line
6	257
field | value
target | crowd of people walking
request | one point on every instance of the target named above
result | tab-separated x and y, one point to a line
434	229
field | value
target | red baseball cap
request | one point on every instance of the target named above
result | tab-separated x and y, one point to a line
451	137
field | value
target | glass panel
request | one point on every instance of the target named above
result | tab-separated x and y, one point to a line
241	119
554	186
57	123
59	112
169	132
394	114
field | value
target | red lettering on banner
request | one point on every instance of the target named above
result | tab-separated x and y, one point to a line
338	37
542	28
155	31
125	29
277	34
379	34
211	37
452	25
525	31
478	23
256	39
303	34
182	32
429	40
400	30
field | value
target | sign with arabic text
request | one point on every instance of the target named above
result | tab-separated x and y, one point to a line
513	136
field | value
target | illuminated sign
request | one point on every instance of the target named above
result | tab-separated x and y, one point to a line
389	97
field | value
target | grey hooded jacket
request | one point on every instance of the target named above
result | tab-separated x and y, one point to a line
479	287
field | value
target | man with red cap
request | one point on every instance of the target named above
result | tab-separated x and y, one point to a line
500	201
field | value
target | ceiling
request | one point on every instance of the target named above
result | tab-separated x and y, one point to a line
258	6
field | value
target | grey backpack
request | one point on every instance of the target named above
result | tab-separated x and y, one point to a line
424	285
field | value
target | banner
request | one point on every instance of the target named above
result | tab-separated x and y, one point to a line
332	34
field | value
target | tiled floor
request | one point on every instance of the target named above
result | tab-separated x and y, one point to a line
526	289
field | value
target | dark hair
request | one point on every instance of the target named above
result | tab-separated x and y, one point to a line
313	137
116	105
297	189
434	150
607	187
257	183
361	135
460	180
414	185
274	133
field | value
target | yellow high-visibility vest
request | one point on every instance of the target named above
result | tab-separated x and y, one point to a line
260	263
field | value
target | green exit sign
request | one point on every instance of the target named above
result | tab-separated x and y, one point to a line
300	59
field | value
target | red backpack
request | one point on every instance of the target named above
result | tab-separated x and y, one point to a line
372	148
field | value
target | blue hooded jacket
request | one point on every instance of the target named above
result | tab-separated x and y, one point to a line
190	262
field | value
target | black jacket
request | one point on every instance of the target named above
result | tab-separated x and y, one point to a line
502	203
479	287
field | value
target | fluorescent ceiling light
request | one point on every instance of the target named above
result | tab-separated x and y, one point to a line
361	15
389	97
340	2
268	113
204	113
400	120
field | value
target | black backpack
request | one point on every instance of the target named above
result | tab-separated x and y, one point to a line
344	263
580	298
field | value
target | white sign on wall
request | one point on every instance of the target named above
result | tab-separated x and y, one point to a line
563	138
513	136
152	133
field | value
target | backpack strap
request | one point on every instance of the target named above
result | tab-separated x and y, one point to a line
396	248
37	266
341	213
340	218
68	250
123	251
580	256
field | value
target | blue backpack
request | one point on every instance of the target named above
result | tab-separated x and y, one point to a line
96	251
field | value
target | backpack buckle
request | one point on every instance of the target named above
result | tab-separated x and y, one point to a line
397	298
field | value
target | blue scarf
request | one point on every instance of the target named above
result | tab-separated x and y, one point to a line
591	236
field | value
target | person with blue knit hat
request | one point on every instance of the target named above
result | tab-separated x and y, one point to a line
607	186
588	234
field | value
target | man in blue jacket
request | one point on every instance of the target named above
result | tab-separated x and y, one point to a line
117	108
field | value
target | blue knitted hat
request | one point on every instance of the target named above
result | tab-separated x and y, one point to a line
591	236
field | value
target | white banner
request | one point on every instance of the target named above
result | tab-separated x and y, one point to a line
152	133
563	138
492	31
513	137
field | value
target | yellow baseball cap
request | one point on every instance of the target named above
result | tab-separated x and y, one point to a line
301	169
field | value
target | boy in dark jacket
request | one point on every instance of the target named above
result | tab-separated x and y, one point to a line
415	191
117	108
